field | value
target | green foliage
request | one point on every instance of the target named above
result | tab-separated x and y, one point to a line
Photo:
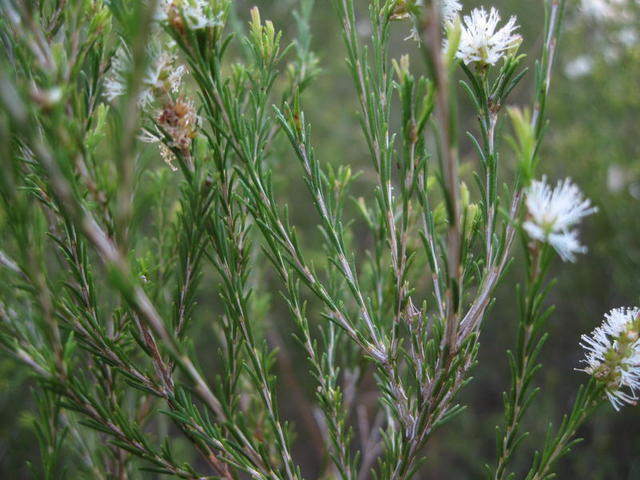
147	297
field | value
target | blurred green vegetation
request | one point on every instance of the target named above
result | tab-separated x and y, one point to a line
593	138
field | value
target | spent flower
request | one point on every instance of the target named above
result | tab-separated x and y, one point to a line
480	43
613	355
176	125
403	9
552	213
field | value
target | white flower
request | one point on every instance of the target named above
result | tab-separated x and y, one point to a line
481	43
605	9
552	214
174	79
616	178
162	74
115	84
613	355
413	35
198	14
160	13
579	67
449	9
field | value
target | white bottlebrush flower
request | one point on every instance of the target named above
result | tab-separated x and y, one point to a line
162	75
480	43
553	213
115	84
616	178
605	9
161	12
579	67
449	9
198	14
413	35
613	355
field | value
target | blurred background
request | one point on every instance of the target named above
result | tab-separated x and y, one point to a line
593	137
